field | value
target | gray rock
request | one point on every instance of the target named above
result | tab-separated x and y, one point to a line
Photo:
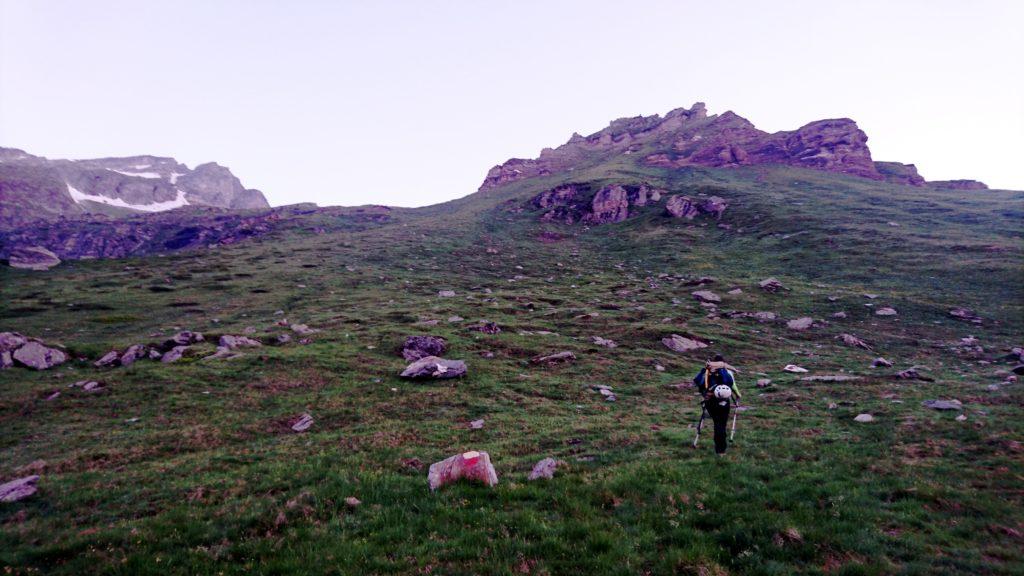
303	423
11	341
303	329
109	359
885	312
432	367
416	347
18	489
943	404
800	323
185	338
174	354
544	469
132	354
678	343
32	258
863	418
770	285
881	363
557	357
603	342
707	296
851	340
232	342
37	356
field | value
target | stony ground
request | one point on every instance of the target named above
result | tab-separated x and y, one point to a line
193	468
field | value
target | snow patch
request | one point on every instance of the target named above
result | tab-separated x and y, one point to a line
78	196
174	177
140	174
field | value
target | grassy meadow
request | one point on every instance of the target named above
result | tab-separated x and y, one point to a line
192	468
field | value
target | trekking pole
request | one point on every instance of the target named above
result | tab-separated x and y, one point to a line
703	412
734	415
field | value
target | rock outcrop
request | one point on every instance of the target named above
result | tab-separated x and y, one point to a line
432	367
16	349
32	258
692	138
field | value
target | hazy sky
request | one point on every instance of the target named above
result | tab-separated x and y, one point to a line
410	103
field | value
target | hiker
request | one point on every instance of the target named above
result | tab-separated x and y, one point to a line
717	386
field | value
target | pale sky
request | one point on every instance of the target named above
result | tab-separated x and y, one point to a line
409	103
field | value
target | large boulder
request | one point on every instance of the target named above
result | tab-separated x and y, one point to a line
416	347
432	367
37	356
473	466
610	204
132	353
174	354
32	258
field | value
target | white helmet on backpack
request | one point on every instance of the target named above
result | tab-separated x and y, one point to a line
722	392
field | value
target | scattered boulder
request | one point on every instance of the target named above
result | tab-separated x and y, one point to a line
223	353
851	340
763	316
544	469
174	354
707	296
231	342
87	385
881	363
764	383
735	291
912	374
795	369
303	329
966	315
416	347
681	207
433	367
185	338
109	359
131	354
473	466
887	311
352	502
446	293
19	489
477	424
771	285
303	423
943	404
32	258
486	327
863	418
682	344
830	378
557	357
603	342
800	323
605	391
839	315
35	355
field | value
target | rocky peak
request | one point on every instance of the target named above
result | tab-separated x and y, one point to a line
36	188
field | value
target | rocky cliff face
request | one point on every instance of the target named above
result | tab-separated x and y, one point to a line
690	137
34	188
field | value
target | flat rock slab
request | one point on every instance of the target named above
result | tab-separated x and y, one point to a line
864	418
707	296
18	489
830	378
681	344
232	342
795	369
432	367
473	466
885	312
564	356
943	404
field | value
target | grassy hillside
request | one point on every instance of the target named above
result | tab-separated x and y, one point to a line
191	468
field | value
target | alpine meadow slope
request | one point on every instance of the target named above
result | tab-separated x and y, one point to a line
309	454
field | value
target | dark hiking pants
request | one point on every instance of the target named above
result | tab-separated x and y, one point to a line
719	412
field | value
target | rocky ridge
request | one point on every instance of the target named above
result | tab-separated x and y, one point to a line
691	137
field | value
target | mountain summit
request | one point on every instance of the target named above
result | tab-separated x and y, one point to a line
691	137
36	188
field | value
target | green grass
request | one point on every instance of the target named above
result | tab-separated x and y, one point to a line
210	480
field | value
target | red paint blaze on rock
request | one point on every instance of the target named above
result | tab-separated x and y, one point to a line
472	465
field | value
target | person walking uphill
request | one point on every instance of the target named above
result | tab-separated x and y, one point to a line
717	387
